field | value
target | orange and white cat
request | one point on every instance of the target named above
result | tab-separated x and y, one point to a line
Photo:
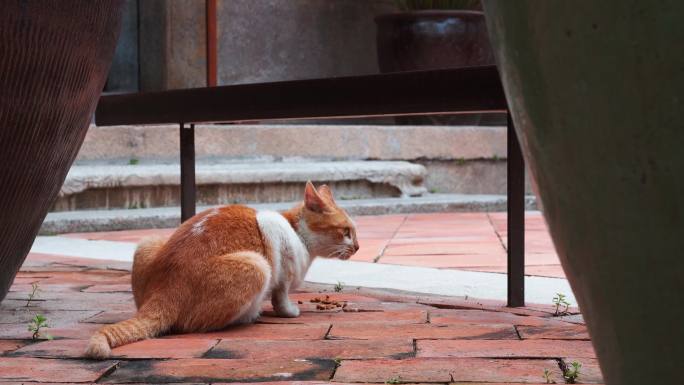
218	267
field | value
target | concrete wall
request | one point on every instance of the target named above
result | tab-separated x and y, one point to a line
271	40
265	40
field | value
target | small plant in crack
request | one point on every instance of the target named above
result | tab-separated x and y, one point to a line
133	161
571	373
560	301
33	294
36	326
339	287
338	361
547	377
393	380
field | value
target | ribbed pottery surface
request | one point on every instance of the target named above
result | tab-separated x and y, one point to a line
54	58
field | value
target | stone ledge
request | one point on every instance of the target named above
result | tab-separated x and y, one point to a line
406	177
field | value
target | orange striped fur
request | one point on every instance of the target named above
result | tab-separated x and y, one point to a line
217	268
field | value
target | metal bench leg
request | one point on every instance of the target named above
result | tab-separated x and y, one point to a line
516	220
187	161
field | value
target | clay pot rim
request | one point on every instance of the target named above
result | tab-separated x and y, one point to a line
429	14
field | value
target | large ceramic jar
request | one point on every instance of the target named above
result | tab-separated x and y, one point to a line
596	93
54	57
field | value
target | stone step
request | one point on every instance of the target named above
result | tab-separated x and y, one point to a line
165	217
458	159
157	185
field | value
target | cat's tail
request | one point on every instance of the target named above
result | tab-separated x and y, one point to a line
145	324
145	253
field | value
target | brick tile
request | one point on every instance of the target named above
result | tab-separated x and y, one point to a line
447	216
44	370
446	260
152	348
575	319
264	332
370	307
423	331
90	263
438	233
388	218
375	234
7	346
165	348
17	321
403	316
552	271
384	371
590	373
90	277
369	249
287	383
340	297
54	349
480	304
454	238
76	331
452	316
330	349
504	348
446	370
84	302
112	288
110	317
570	332
133	236
220	370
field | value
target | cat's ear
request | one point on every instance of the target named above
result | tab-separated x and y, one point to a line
312	200
325	192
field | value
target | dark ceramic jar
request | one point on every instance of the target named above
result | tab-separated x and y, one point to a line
424	40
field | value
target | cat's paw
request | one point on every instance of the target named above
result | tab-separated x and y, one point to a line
290	310
98	347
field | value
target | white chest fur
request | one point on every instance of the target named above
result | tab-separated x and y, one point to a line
290	257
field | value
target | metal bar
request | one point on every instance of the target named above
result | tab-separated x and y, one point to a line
187	163
474	89
211	42
516	220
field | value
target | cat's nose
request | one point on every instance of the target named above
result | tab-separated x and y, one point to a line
356	246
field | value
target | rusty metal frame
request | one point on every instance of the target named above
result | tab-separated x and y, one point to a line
448	91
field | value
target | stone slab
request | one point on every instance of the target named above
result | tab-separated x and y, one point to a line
44	370
446	370
504	348
221	370
322	349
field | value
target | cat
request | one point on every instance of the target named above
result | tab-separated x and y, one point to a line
217	268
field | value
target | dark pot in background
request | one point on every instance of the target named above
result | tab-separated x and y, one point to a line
423	40
54	57
595	90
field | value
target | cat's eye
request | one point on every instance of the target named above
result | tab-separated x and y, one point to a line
347	232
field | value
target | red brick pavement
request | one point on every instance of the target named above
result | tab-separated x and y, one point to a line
377	338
